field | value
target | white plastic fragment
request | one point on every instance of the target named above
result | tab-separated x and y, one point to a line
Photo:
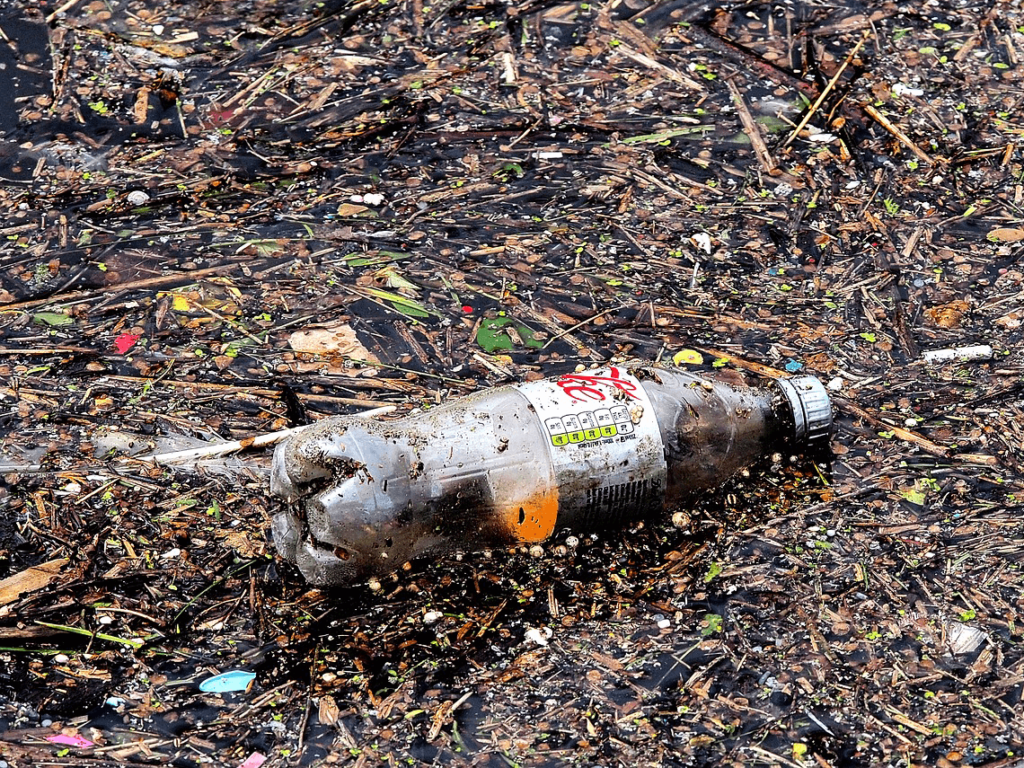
836	384
961	354
963	638
900	89
432	617
539	636
703	241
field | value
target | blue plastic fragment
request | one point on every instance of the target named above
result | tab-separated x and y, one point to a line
235	680
793	366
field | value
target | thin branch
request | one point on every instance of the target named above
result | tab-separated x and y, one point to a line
828	89
233	446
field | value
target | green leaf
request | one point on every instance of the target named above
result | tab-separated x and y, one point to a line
915	495
713	624
97	635
401	303
371	260
868	336
52	319
657	138
491	337
392	278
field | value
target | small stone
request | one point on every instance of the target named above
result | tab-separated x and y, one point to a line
61	658
432	617
536	551
137	197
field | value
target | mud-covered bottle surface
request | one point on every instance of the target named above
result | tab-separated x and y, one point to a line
513	465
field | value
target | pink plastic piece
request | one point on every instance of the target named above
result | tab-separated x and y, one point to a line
255	760
70	741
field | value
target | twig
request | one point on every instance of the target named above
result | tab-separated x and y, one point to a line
772	757
903	138
1007	154
149	282
309	702
923	443
233	446
217	316
61	9
749	365
826	91
657	66
230	389
750	128
581	324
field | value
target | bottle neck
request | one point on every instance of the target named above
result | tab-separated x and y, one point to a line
711	430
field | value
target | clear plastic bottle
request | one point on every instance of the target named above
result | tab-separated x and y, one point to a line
514	464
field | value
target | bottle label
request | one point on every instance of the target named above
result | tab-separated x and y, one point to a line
604	442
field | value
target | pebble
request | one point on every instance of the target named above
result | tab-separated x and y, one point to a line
138	197
432	617
572	542
61	658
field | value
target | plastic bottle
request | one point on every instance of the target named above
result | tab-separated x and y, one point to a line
515	464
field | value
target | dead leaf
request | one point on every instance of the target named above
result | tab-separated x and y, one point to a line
334	340
330	713
1006	235
1011	320
948	315
351	209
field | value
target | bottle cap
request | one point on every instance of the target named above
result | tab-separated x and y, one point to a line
812	410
